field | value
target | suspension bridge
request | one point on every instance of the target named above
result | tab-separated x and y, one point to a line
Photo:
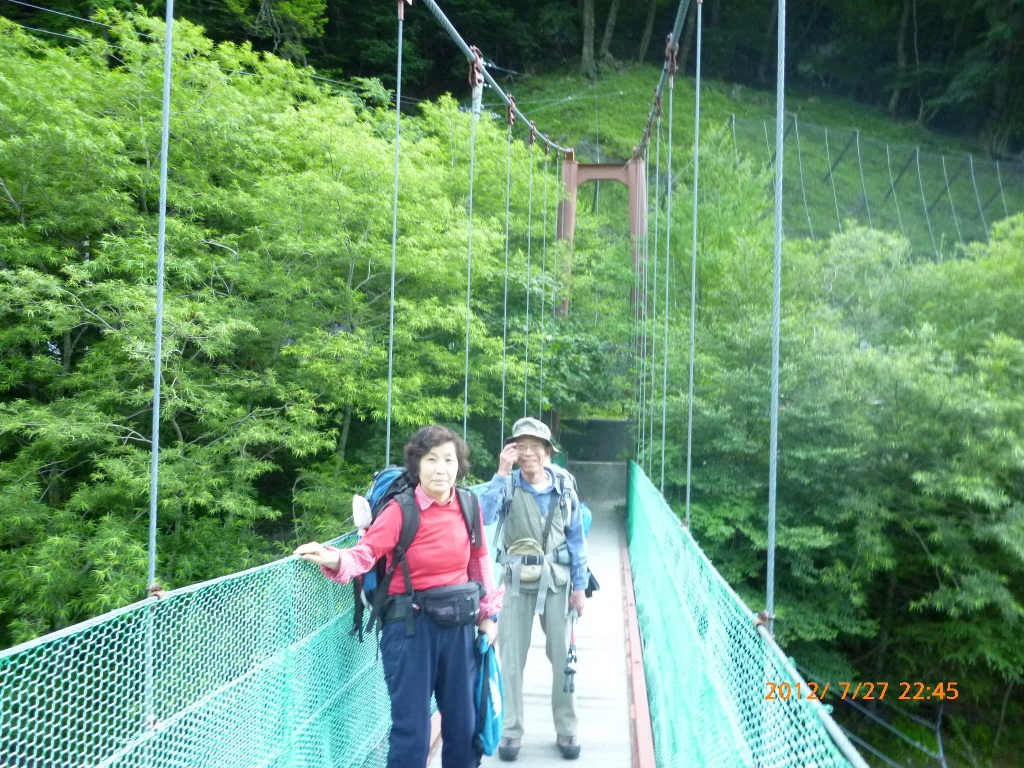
258	668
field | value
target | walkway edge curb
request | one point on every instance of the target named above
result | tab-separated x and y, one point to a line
639	708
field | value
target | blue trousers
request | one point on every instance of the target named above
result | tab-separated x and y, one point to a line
438	660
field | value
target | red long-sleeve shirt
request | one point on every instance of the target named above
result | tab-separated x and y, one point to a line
440	554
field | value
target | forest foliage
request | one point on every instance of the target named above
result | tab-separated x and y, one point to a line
276	316
955	67
901	466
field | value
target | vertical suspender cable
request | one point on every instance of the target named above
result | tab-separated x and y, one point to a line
476	81
394	232
693	262
529	251
645	355
674	45
773	451
657	211
161	241
543	288
639	376
510	117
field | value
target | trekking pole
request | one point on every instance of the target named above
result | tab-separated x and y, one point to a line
569	686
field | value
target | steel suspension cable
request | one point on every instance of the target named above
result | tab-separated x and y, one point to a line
666	76
693	261
638	370
773	450
666	277
638	354
158	332
529	252
657	210
543	292
477	83
504	312
491	83
394	234
645	352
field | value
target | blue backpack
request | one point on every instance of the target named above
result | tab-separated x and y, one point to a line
370	589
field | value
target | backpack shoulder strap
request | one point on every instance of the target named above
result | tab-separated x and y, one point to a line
410	525
469	507
506	505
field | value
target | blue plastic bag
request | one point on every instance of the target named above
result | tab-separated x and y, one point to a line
588	518
489	692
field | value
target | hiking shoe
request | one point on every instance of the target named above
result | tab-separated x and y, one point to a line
569	747
508	749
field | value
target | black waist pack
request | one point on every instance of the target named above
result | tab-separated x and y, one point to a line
454	606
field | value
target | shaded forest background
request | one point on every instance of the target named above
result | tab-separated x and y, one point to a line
901	477
954	67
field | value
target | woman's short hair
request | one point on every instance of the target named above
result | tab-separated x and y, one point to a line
426	438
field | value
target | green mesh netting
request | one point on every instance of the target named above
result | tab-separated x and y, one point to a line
254	669
257	669
706	665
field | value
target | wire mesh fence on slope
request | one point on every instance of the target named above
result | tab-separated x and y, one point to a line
939	202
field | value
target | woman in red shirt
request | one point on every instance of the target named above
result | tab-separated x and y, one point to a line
421	655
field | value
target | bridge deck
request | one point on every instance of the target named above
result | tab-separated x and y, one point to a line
601	679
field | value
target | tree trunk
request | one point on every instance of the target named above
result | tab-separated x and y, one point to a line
771	45
346	424
609	30
645	41
901	58
589	68
689	33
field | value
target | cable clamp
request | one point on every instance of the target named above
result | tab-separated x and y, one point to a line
533	133
510	111
763	620
671	54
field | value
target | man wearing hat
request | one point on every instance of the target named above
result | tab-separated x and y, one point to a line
541	546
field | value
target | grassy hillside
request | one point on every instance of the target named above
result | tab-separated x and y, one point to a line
937	191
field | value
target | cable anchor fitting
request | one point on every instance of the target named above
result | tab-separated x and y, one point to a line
671	56
476	78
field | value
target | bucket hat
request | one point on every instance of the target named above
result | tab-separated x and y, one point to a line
530	427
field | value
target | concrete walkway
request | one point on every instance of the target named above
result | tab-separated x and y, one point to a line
602	694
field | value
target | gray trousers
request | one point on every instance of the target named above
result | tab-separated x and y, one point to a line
515	628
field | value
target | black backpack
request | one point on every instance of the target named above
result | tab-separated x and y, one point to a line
371	588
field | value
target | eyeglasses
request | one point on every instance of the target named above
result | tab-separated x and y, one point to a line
529	448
